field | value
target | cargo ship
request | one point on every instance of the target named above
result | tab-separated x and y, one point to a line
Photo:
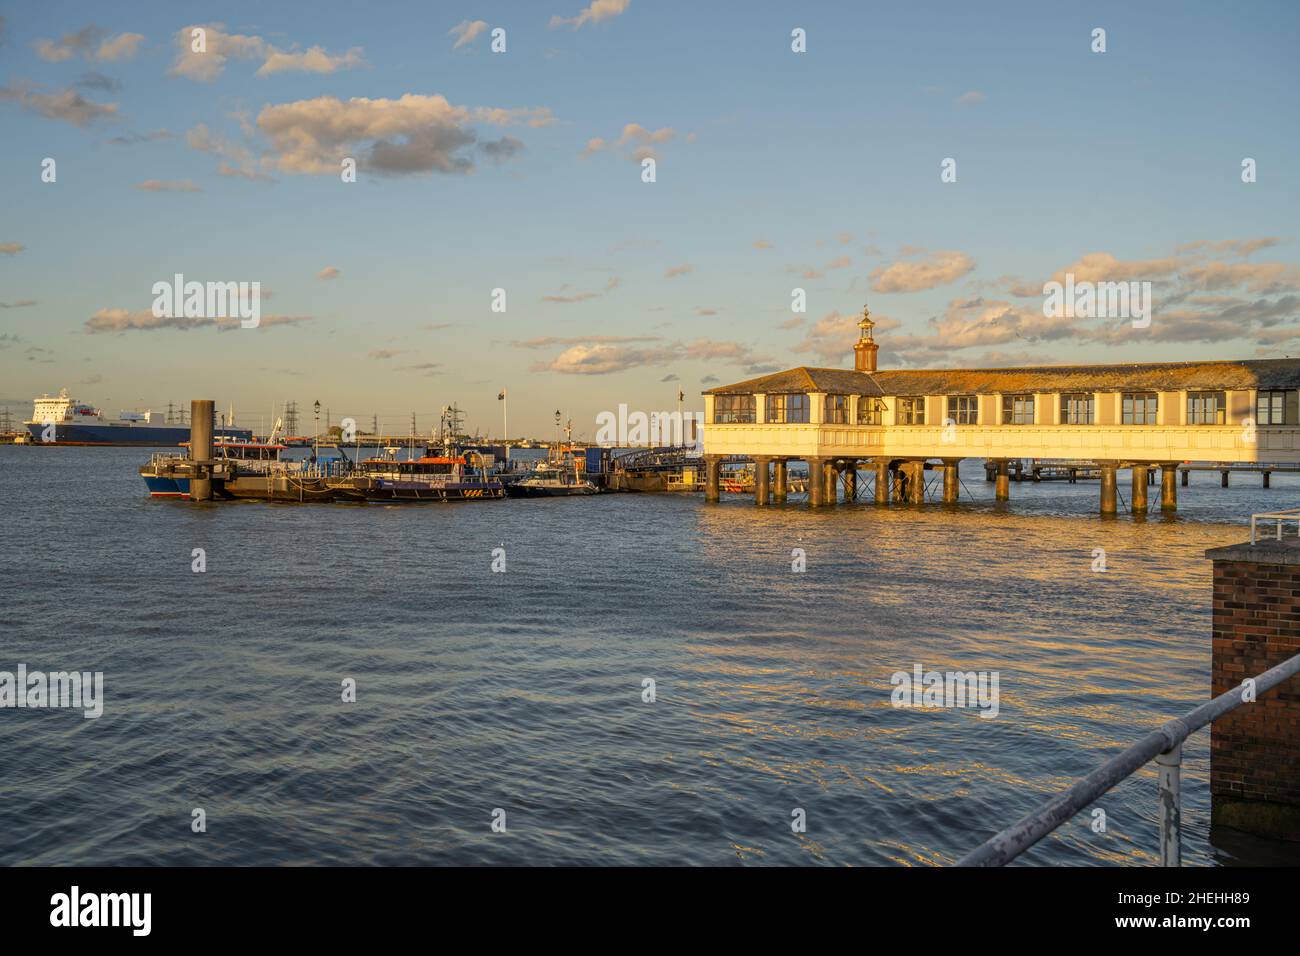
62	420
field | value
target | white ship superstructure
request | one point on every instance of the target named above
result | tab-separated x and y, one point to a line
63	420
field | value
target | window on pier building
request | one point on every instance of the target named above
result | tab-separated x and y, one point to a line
1139	408
1080	409
911	411
837	409
1277	407
1206	408
871	410
964	409
788	409
733	409
1017	409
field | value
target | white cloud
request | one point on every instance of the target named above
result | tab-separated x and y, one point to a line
596	12
91	43
67	105
168	186
939	268
221	47
638	142
118	48
312	60
143	320
466	31
237	160
412	134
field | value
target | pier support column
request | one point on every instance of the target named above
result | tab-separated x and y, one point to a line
950	482
201	449
1225	479
816	482
917	483
762	479
1003	490
882	481
899	482
1267	475
712	478
1109	489
830	479
851	481
781	482
1169	487
1139	502
1255	750
1185	474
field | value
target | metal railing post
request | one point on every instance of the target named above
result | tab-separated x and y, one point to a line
1163	745
1170	805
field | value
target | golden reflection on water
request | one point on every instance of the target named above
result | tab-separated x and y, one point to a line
1088	661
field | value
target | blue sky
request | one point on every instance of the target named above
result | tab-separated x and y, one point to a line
775	170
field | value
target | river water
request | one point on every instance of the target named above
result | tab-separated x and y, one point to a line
522	691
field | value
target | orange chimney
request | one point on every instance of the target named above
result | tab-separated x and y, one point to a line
864	350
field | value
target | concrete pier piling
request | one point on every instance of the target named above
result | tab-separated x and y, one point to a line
1002	491
1169	487
816	482
882	481
762	481
1109	489
1139	502
830	479
201	411
780	481
851	481
916	483
950	481
712	478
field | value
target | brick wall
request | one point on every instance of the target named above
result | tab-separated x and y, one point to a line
1255	749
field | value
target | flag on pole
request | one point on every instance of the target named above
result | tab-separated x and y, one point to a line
681	396
501	395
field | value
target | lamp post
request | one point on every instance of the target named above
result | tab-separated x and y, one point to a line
505	422
315	438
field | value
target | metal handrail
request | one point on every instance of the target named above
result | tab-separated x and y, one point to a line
1164	745
1277	517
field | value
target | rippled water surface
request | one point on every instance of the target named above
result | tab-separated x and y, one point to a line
522	690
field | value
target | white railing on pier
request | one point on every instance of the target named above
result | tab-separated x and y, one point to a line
1163	745
1279	518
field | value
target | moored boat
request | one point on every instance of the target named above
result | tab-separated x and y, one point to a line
430	478
553	482
245	470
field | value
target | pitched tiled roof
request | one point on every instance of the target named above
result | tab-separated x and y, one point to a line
838	381
1150	376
